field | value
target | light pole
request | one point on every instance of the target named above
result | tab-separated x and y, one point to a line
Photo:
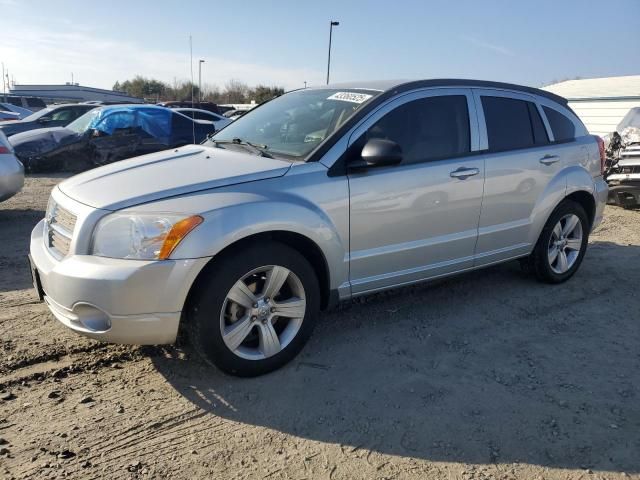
305	84
331	25
200	62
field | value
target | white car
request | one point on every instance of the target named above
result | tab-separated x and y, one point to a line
11	170
198	114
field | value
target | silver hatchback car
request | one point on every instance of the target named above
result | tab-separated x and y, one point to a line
315	197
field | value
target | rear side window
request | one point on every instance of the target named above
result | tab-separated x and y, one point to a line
563	128
35	102
427	129
512	124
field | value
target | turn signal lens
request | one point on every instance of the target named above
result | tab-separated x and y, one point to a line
177	233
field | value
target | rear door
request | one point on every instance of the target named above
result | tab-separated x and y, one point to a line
520	166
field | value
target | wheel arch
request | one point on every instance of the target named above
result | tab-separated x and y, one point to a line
586	201
303	244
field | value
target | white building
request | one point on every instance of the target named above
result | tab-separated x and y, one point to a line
600	102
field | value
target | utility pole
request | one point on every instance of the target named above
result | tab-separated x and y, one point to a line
332	24
200	62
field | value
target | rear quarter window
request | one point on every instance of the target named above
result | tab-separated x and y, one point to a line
562	127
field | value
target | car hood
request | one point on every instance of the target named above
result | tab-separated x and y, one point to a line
41	140
166	174
14	127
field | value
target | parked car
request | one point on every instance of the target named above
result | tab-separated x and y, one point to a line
225	108
623	161
11	170
197	114
209	106
235	114
105	135
318	196
21	111
31	103
8	116
54	116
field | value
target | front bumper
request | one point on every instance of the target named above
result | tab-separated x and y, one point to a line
114	300
11	177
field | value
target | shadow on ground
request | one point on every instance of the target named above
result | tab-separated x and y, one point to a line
486	367
15	234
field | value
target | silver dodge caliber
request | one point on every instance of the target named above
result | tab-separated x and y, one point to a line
315	197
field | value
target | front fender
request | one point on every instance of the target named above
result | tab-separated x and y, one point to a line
250	214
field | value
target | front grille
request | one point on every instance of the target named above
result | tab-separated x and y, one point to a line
59	229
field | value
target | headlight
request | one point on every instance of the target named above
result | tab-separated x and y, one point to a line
141	236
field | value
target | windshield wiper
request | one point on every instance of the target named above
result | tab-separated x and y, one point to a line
260	149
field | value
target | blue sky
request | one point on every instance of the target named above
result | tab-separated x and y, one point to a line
285	42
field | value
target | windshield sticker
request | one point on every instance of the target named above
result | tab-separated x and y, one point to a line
350	97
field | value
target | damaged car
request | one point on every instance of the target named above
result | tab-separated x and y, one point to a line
105	135
623	161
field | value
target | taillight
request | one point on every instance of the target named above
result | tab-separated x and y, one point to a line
4	149
603	157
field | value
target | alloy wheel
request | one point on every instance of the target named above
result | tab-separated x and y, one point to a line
565	244
263	312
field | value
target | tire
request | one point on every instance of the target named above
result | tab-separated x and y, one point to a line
214	308
540	262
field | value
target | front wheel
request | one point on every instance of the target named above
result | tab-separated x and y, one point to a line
562	244
255	309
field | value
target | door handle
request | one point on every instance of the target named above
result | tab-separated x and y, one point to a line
462	173
549	159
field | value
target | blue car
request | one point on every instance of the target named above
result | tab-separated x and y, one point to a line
105	135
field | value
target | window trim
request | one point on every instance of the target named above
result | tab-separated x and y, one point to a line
478	93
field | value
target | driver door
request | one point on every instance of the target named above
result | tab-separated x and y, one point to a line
418	219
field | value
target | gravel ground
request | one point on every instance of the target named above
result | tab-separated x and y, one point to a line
487	375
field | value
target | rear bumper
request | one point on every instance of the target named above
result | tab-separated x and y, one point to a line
11	176
600	194
114	300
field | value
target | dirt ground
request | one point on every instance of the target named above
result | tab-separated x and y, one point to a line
487	375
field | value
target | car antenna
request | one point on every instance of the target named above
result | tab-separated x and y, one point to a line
193	122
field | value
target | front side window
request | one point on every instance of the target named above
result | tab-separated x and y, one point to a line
427	129
512	124
294	124
63	114
563	128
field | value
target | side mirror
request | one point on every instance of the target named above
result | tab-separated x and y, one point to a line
44	119
378	152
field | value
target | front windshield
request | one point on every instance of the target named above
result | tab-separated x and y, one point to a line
81	124
37	115
294	124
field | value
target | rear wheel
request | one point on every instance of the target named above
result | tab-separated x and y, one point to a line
255	309
562	244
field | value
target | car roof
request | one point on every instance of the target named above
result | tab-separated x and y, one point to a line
405	85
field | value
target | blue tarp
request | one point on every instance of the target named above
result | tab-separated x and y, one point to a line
155	121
